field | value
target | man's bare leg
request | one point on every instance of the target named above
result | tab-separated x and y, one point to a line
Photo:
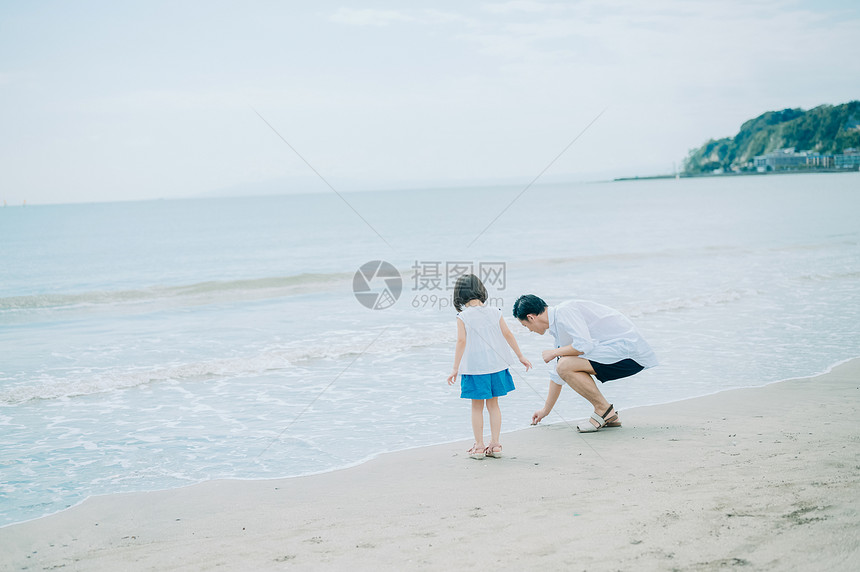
577	373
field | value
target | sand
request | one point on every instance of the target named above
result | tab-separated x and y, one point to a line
752	479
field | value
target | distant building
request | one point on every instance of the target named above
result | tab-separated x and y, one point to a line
780	160
789	160
849	159
819	161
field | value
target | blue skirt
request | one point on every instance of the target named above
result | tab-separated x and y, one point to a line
486	385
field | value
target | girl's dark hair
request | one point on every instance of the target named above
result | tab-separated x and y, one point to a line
468	287
528	304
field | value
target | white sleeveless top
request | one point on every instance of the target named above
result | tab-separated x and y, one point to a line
486	348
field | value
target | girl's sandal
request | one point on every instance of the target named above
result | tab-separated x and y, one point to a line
490	451
476	453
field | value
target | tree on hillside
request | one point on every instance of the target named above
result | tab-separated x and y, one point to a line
824	129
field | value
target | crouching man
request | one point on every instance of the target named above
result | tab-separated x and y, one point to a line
590	340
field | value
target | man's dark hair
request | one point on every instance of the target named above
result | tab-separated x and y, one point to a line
468	287
528	304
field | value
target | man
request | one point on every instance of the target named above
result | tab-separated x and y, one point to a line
590	339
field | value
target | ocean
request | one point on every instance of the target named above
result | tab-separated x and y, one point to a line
152	345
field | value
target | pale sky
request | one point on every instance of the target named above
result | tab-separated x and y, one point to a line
114	100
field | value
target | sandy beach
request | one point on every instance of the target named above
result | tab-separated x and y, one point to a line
754	479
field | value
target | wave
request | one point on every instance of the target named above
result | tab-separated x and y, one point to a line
86	382
292	357
594	258
681	304
837	240
818	277
199	293
640	255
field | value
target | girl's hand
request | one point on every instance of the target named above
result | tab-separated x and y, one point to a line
452	378
526	362
548	355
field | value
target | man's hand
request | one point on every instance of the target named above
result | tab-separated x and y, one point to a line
549	355
538	415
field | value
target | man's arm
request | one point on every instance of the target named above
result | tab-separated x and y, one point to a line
551	398
570	321
549	355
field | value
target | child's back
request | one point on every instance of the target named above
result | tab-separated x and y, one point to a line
486	349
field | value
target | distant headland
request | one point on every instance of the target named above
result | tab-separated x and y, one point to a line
823	139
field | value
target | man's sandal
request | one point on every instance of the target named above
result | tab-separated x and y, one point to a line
613	420
598	422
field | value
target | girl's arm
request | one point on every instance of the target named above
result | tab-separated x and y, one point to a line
458	350
512	341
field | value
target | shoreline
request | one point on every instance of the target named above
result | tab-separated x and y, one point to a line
765	478
377	455
733	174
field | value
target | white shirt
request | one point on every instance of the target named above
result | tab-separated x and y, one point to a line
486	351
602	334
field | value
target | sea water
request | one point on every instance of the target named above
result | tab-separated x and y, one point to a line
151	345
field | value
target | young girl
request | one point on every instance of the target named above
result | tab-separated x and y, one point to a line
481	360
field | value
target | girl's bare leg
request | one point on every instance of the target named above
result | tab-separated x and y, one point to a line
478	422
495	414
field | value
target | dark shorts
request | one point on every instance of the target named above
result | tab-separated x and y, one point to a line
608	372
